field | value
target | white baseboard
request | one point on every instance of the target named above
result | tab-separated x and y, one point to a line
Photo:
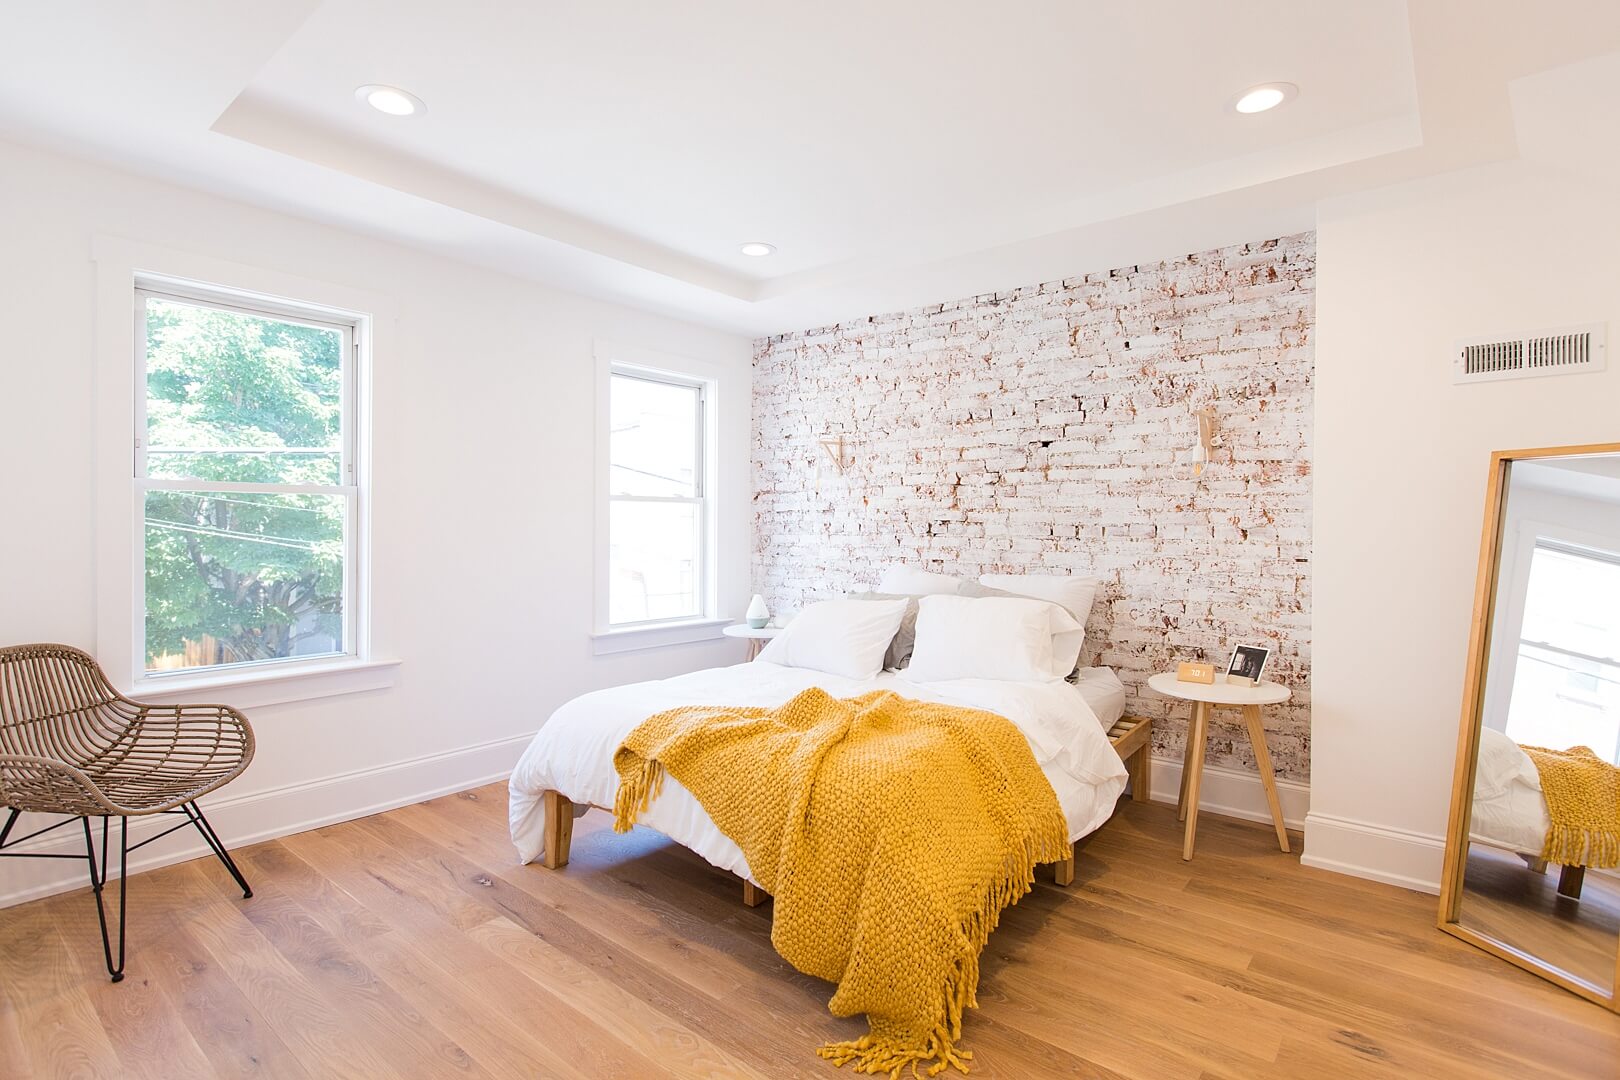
1232	793
1343	845
1361	849
1376	852
264	815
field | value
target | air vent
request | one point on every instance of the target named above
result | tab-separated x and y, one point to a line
1563	351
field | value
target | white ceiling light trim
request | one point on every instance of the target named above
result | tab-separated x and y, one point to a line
390	99
756	249
1258	99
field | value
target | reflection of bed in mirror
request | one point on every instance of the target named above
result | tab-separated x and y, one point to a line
1531	871
1510	811
1512	892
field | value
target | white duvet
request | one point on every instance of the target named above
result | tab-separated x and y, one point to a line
1509	809
573	753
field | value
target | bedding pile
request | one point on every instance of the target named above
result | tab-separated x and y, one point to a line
891	834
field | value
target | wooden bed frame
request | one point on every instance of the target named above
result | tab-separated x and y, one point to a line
1131	736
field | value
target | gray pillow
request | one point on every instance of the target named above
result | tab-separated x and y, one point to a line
899	654
974	589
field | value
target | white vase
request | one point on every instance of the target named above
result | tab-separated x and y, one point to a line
758	614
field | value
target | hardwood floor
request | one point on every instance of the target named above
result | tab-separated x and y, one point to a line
1503	899
410	945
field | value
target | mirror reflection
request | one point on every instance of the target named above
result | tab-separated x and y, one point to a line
1541	875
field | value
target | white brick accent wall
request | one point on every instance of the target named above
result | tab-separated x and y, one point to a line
1047	430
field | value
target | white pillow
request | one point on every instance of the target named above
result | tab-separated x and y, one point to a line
960	637
1502	763
1074	594
904	579
840	637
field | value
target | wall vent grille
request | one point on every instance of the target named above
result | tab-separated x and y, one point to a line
1562	351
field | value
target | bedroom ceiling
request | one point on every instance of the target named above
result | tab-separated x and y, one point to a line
894	154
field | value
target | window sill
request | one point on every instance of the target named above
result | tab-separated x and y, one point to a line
271	685
656	635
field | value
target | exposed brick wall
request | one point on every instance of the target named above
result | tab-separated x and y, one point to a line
1046	430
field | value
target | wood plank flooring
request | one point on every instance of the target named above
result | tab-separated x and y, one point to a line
410	945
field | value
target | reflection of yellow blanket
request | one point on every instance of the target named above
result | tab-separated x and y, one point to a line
890	833
1583	801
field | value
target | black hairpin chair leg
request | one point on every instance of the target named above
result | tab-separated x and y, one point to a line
98	882
195	813
100	876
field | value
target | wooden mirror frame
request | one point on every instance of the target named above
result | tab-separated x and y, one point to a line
1473	700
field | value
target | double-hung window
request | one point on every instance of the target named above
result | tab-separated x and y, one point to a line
1566	683
245	480
658	513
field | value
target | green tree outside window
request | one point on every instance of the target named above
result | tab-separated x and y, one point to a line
242	575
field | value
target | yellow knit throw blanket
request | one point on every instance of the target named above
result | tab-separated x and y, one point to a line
1583	801
890	833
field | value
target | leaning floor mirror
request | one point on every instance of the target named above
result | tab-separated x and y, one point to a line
1532	871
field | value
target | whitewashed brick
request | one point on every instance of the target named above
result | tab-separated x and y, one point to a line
1046	429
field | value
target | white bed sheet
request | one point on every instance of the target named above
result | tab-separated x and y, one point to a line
1103	692
573	753
1510	810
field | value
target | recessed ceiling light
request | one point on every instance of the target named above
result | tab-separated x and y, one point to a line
1265	96
755	249
390	99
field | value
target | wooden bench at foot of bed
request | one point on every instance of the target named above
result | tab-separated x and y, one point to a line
1131	736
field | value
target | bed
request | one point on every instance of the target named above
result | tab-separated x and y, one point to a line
1510	811
1077	730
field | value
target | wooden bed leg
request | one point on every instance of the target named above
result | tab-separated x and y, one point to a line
1063	872
1139	766
1570	879
753	895
1533	864
559	830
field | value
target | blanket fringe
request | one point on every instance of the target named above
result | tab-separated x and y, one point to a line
1575	845
636	793
891	1048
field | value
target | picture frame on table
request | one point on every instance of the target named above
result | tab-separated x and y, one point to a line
1248	665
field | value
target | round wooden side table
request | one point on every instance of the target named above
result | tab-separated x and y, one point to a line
756	638
1205	698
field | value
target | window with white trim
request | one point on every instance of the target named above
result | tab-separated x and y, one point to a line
1566	682
658	513
244	481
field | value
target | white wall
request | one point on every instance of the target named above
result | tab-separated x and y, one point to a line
1401	461
482	502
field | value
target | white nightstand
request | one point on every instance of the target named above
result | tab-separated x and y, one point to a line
756	638
1205	698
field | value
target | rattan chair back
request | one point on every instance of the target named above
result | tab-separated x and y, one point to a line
70	743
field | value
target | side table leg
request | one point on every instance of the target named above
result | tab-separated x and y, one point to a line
1200	733
1262	758
1186	762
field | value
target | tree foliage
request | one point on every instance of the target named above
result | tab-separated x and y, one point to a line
239	398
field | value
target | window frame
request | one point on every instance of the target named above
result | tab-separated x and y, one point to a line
120	265
1561	546
1577	551
699	497
1518	548
349	326
614	360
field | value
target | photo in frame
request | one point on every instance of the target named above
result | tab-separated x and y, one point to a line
1248	662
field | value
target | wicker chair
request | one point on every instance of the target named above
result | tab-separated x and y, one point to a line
71	744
